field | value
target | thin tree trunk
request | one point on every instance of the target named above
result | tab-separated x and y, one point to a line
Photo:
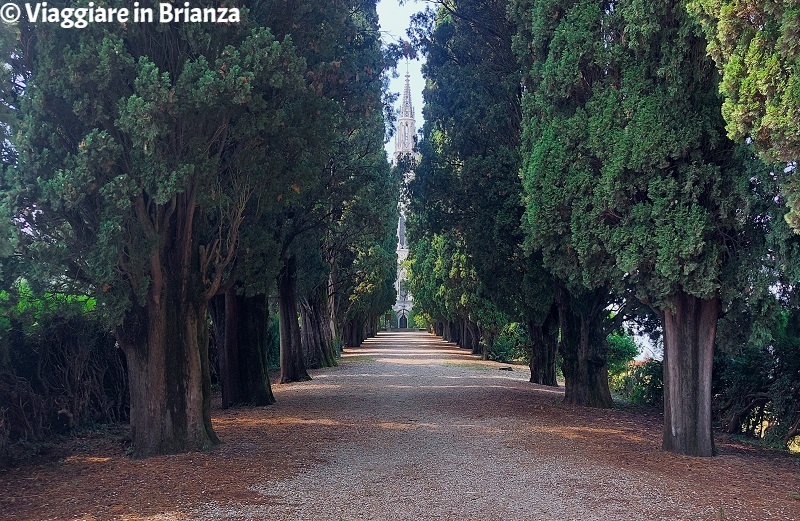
203	338
490	335
332	305
309	335
293	366
354	332
455	333
690	327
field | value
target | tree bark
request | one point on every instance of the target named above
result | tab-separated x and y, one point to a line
584	352
162	346
317	338
254	344
293	365
690	327
354	332
475	339
225	316
455	333
490	335
446	331
240	326
332	305
544	345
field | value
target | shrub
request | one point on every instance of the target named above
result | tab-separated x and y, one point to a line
622	349
59	369
511	345
643	383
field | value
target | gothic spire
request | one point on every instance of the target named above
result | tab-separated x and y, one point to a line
404	138
407	110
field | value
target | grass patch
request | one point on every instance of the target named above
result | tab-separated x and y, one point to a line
357	358
471	365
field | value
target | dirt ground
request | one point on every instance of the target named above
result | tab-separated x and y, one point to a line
410	427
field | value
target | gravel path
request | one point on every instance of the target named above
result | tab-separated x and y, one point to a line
408	427
425	431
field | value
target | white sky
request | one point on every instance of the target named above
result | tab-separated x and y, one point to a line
394	20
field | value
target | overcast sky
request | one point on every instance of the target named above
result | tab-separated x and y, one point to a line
394	20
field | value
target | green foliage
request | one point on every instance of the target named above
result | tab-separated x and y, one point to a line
274	341
756	384
755	46
512	345
419	320
622	349
643	383
342	224
445	285
59	370
130	134
467	183
628	177
161	163
761	75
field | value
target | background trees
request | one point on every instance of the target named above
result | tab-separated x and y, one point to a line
755	46
634	200
163	165
573	174
466	186
125	158
628	168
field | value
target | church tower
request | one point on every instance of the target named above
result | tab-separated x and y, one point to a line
403	147
404	139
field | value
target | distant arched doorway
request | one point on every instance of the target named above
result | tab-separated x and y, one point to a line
403	323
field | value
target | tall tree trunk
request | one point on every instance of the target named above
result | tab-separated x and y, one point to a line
332	305
254	345
354	332
293	366
225	314
544	345
162	346
317	338
490	335
203	339
309	335
690	327
475	339
374	326
584	352
241	329
455	332
216	310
